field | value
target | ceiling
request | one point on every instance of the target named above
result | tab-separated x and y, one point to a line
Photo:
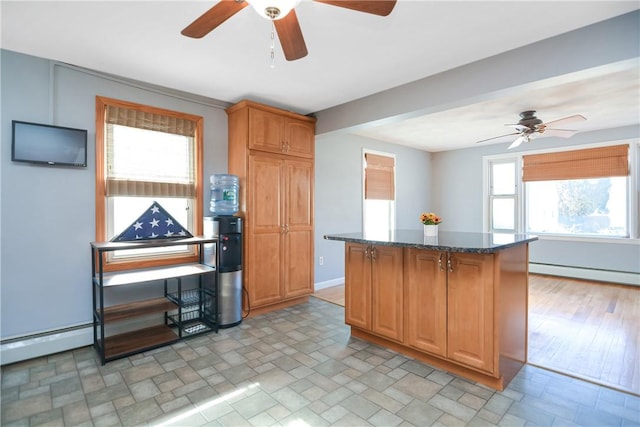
351	55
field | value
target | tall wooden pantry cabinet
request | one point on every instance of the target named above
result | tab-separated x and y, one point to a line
272	152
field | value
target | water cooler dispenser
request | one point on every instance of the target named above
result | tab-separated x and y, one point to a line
229	232
228	257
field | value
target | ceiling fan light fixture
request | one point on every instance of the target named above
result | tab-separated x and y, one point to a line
273	9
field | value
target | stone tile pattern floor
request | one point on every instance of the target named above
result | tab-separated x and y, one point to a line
294	367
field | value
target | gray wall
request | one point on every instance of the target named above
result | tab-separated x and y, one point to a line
338	193
456	192
459	173
48	213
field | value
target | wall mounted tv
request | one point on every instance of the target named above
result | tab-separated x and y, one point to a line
48	144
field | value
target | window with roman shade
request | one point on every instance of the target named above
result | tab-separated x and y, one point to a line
146	154
379	204
578	192
379	177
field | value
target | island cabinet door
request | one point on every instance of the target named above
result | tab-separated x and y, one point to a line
387	292
471	310
426	300
357	290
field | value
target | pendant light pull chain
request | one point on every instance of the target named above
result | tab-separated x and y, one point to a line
273	45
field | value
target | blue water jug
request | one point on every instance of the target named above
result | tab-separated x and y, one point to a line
225	190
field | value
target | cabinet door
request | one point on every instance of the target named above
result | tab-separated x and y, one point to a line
298	259
471	310
387	292
300	138
266	131
426	305
265	228
357	289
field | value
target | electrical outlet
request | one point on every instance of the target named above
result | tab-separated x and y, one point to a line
321	260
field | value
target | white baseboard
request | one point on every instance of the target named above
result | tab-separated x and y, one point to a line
621	277
329	283
29	347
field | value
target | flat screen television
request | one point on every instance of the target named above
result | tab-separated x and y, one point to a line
48	144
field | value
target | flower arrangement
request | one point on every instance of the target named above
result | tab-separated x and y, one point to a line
429	218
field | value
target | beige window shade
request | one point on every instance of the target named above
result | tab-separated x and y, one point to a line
379	177
145	170
119	187
577	164
149	121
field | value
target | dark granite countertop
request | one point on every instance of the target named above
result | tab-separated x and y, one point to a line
452	241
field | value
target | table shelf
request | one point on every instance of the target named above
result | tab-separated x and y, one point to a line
185	312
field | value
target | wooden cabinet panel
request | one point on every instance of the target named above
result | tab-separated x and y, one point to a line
266	131
387	292
298	278
471	311
266	180
277	134
357	286
271	150
264	275
299	194
300	139
426	300
374	289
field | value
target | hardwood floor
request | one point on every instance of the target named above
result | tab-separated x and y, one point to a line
584	329
334	294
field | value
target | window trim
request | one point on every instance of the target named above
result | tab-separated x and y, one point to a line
633	189
100	190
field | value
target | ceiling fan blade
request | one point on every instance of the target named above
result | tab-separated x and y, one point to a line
566	120
496	137
376	7
213	18
517	142
290	36
562	133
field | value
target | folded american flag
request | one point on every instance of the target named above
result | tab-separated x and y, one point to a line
154	223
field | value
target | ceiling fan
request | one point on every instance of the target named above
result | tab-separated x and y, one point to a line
529	126
284	18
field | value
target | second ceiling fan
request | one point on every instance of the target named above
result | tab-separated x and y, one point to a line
529	126
284	18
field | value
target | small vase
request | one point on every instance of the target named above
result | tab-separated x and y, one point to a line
430	230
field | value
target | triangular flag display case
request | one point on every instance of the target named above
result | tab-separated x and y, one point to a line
155	223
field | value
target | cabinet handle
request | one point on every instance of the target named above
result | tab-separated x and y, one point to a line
286	229
440	266
449	265
366	253
373	253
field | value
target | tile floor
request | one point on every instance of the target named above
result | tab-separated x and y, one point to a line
294	367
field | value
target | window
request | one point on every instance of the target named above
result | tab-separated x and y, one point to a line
581	192
502	196
146	154
578	192
379	194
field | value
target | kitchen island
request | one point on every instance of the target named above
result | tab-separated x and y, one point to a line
457	301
